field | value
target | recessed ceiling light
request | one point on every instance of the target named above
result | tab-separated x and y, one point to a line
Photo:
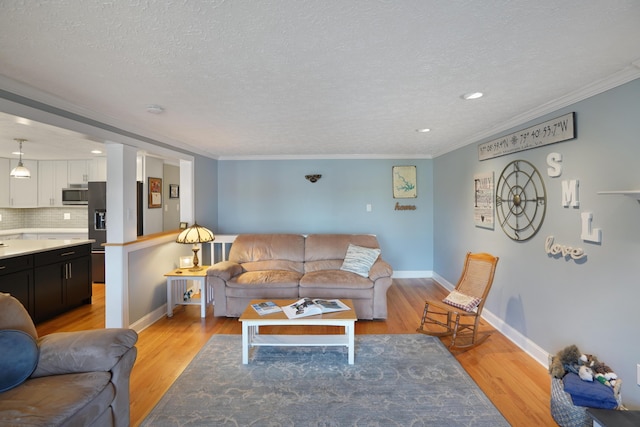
155	109
472	95
23	121
96	152
423	130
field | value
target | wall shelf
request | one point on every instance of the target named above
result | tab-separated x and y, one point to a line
635	194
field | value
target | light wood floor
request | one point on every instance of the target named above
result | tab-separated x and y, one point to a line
516	384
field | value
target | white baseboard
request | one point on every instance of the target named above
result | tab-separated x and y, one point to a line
149	319
412	274
524	343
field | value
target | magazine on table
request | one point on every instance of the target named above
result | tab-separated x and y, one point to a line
310	307
266	307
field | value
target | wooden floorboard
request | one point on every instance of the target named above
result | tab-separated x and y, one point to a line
516	384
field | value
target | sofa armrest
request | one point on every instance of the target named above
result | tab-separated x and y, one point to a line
225	270
83	351
380	269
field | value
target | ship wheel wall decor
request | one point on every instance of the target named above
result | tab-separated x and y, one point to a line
521	200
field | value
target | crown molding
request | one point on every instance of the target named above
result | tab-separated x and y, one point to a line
619	78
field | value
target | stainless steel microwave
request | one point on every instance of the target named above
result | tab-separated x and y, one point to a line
75	195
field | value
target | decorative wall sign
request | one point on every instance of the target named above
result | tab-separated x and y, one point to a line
521	200
557	250
556	130
155	192
400	207
404	182
483	200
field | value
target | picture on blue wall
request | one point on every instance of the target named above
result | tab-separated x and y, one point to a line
404	182
483	200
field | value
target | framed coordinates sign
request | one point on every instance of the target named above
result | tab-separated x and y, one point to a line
404	182
555	130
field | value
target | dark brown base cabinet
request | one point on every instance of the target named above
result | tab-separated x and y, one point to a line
50	282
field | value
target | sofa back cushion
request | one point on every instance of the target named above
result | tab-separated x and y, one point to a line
327	251
256	252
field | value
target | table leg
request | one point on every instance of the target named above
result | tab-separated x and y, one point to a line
349	330
203	298
245	343
169	297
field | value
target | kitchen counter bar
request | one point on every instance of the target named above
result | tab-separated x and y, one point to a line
13	248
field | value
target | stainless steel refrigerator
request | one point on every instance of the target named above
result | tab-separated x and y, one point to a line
97	213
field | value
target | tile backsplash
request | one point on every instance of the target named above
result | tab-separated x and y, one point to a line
43	218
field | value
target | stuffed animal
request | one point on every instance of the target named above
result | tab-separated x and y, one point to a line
568	356
604	374
585	373
588	360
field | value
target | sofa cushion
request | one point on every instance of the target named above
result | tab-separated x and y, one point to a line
359	259
268	252
18	358
73	399
322	247
336	279
266	278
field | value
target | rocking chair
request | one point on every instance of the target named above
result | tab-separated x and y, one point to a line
463	306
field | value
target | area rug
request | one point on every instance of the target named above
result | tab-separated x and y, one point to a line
397	380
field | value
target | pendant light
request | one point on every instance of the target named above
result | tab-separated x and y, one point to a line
20	171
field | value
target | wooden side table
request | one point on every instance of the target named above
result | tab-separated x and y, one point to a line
178	285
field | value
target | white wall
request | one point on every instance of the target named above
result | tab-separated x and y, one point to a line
556	301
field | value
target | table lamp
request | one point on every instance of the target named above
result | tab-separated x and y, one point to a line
194	235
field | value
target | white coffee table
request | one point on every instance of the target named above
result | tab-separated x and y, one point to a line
251	322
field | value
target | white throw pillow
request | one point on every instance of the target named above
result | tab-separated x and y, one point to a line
460	300
359	259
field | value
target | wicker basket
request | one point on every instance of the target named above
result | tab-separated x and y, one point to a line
563	411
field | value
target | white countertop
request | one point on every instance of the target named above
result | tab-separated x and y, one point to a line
11	248
42	230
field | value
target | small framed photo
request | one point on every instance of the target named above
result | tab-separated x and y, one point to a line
174	191
183	225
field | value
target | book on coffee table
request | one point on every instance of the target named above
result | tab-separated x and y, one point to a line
266	307
310	307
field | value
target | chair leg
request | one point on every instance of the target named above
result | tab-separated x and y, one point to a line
475	341
427	319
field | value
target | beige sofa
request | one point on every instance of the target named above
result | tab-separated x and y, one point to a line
62	379
292	266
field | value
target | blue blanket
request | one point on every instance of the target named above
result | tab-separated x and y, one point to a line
592	394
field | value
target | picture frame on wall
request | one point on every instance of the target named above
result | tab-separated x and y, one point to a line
155	192
404	182
183	226
174	191
483	204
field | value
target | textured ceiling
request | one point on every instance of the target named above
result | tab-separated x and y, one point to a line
315	77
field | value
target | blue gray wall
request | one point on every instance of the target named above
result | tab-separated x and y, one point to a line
554	302
269	196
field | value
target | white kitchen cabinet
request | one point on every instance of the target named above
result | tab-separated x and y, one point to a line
78	171
98	169
52	178
23	192
5	169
